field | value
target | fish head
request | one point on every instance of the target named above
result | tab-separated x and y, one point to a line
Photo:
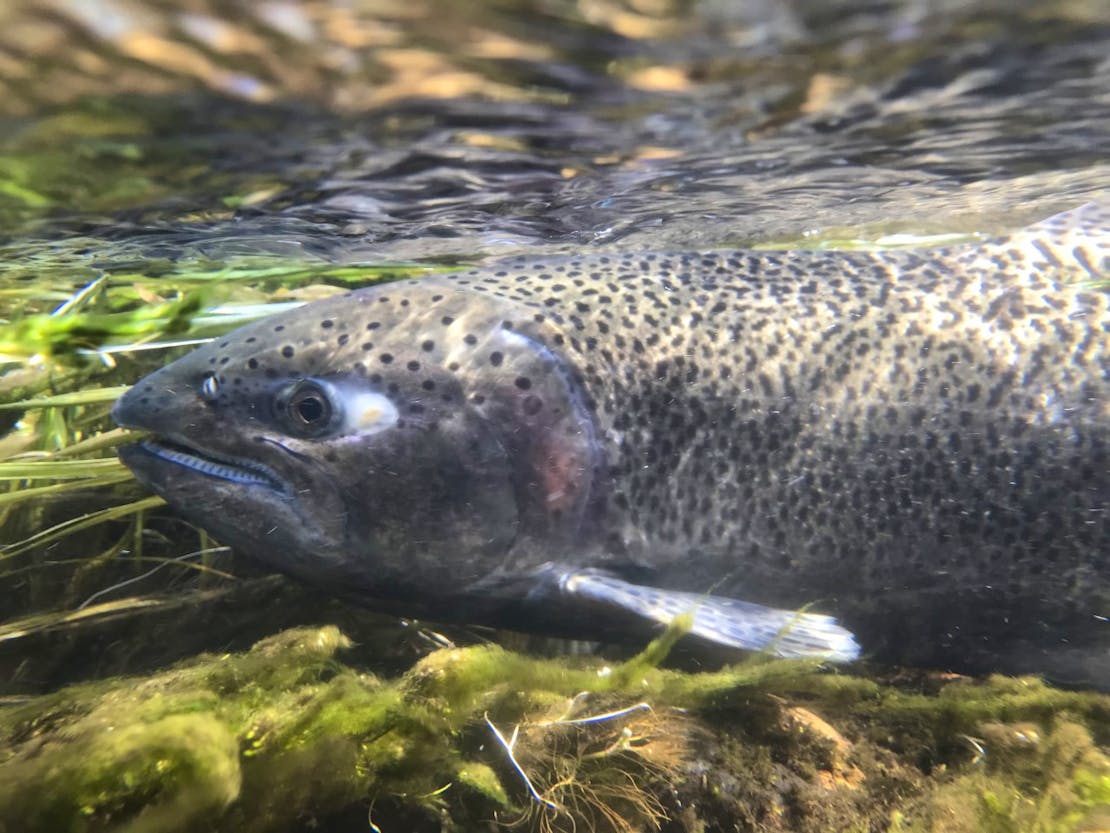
394	442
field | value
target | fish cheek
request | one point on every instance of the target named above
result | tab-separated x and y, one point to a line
431	509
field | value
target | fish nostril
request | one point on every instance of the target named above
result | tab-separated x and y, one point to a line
209	389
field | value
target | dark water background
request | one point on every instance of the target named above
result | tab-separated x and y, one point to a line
145	137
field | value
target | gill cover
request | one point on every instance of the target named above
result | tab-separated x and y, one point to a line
536	401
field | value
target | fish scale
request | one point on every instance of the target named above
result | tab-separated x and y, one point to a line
913	441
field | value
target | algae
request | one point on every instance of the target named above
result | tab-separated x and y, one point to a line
290	736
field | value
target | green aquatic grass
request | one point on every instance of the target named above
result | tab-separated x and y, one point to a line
80	523
56	335
84	397
127	310
150	312
56	469
30	493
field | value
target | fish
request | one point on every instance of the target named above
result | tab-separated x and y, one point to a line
899	454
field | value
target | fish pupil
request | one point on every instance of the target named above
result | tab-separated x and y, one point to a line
310	409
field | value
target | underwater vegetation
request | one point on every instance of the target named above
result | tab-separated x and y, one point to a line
287	736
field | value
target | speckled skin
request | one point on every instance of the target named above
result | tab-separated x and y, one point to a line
916	441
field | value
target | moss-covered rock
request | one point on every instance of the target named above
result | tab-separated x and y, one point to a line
287	737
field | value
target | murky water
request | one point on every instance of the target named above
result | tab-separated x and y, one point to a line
250	152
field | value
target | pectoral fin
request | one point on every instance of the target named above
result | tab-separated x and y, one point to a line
731	622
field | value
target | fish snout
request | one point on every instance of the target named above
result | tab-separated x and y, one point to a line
127	411
165	404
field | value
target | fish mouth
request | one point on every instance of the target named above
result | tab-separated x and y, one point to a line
209	463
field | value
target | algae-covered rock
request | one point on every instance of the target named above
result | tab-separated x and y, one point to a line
1024	780
286	736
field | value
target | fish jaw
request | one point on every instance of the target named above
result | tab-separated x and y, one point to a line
245	513
242	472
194	458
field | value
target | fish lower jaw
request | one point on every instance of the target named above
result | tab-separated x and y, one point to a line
212	464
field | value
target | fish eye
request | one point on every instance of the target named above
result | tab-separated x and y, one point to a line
307	409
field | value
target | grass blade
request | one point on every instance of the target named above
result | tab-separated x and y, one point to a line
19	495
19	469
85	397
79	523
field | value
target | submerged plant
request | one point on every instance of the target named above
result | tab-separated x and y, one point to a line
287	732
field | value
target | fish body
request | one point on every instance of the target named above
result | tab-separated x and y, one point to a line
913	441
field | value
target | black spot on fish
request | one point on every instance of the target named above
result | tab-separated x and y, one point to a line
495	358
447	321
470	339
428	384
386	358
327	323
523	382
373	325
532	405
252	364
413	366
287	351
428	346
